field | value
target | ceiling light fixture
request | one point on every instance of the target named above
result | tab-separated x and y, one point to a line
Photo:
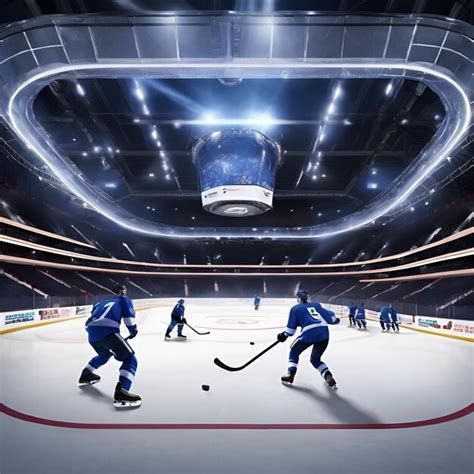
80	90
140	94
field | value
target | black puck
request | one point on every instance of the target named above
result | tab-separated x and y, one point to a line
252	343
205	388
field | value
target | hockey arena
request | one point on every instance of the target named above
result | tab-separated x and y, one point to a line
236	236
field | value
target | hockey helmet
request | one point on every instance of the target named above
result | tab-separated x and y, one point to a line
302	295
118	288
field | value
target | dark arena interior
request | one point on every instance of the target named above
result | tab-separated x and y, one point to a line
251	222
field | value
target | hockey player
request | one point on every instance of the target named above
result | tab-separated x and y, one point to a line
103	328
394	318
385	321
256	302
360	317
313	320
177	318
352	312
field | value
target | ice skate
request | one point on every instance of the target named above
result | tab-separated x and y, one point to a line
88	378
288	378
124	399
167	337
182	336
330	380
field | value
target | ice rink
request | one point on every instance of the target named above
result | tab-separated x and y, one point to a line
404	402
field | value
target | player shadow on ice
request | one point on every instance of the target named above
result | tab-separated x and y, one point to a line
340	408
93	392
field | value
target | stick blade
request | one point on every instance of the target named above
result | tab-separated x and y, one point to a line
221	364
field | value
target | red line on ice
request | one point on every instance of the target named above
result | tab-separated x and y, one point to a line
236	426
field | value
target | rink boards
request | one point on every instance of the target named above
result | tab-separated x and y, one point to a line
410	389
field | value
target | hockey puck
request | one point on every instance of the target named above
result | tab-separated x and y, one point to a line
205	388
252	343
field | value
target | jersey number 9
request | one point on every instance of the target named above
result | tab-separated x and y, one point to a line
314	313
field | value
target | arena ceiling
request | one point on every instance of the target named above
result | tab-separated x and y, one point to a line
144	162
140	157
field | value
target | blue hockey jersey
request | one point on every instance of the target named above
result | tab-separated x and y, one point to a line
107	315
313	320
178	312
352	310
360	313
385	314
393	314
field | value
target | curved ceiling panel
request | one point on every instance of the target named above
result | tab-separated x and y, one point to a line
434	51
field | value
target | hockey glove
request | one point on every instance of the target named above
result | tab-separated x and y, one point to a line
184	321
133	334
337	321
282	337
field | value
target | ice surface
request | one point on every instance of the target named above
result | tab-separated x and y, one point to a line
382	378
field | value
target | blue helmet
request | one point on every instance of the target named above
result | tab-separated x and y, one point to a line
180	301
302	295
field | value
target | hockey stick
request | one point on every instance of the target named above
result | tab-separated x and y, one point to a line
197	332
221	364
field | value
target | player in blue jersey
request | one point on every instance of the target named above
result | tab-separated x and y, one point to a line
256	302
394	318
177	319
352	312
313	320
360	317
103	328
385	321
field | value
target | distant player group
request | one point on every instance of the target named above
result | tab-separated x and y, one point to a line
103	328
388	318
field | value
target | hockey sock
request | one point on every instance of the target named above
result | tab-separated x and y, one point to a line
322	368
127	372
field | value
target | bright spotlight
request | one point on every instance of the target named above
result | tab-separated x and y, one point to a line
140	94
209	118
80	90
